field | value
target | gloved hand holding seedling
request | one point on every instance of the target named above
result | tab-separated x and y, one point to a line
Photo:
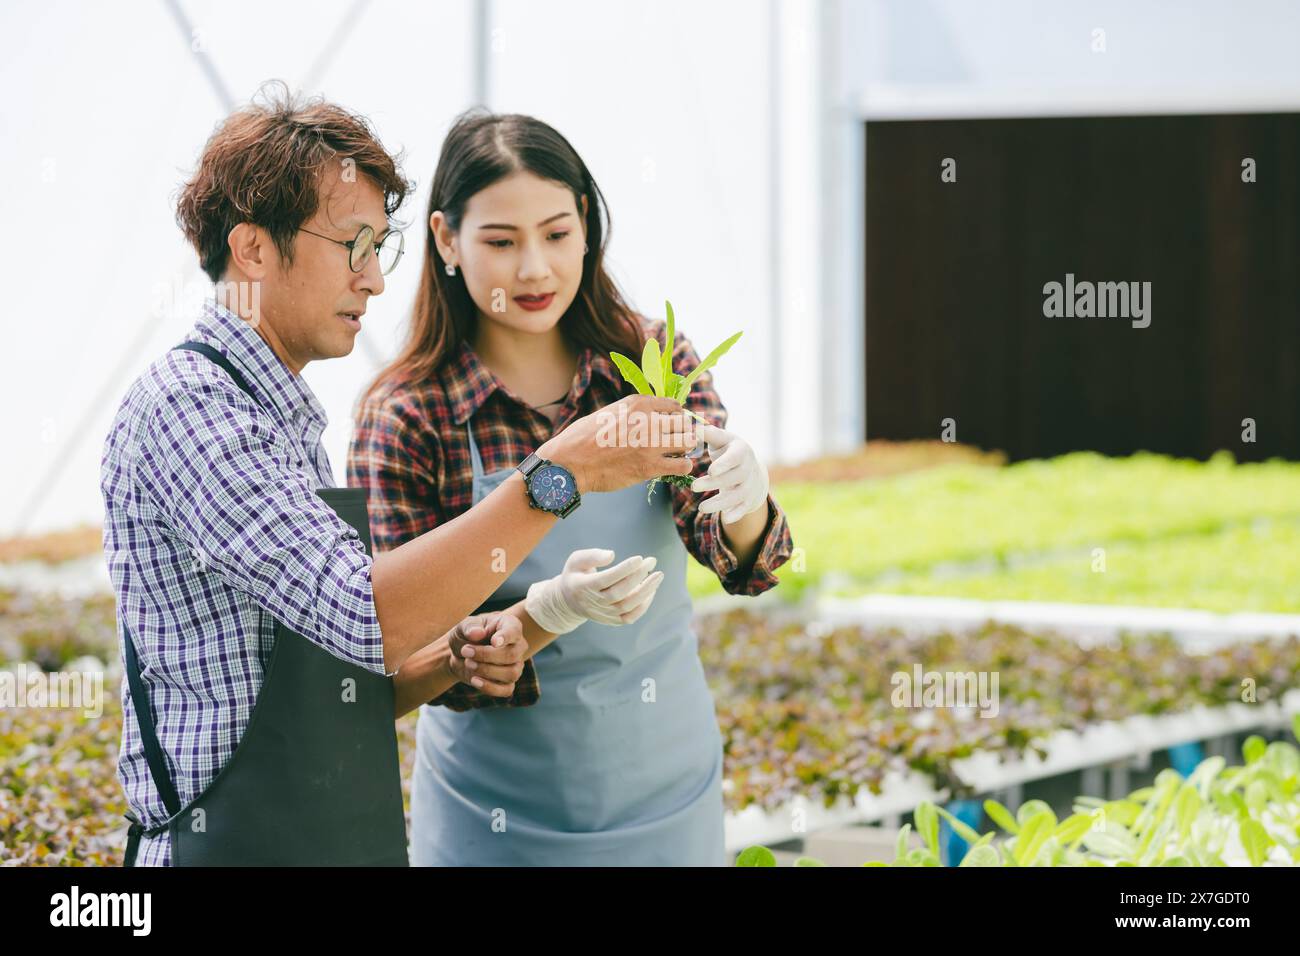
655	376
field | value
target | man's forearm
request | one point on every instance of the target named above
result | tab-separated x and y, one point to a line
423	588
423	676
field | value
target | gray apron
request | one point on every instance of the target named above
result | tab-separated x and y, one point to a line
314	780
620	760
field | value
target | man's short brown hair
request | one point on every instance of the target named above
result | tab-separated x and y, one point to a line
263	165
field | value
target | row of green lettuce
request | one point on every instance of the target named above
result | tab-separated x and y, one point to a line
1143	530
1217	816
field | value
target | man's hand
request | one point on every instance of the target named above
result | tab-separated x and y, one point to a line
488	652
637	438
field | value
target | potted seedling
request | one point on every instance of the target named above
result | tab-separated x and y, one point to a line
655	376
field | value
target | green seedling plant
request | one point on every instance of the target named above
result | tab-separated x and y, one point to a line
1251	810
655	376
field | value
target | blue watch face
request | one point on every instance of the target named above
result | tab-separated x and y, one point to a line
552	487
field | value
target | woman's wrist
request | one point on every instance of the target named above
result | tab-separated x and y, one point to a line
545	604
745	537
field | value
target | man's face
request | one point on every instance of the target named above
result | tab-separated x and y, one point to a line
314	305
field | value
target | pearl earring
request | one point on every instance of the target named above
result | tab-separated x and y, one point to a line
449	269
584	248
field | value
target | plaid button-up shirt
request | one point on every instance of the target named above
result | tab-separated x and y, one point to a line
212	531
411	452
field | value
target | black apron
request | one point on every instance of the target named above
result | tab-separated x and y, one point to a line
315	779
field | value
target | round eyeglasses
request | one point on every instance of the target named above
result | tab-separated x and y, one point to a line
389	249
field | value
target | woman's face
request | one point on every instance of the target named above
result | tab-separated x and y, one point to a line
520	250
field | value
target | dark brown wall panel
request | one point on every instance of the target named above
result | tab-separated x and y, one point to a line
955	272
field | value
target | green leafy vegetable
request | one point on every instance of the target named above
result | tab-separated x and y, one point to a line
1137	831
655	376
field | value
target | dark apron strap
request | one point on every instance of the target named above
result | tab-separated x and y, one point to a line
148	733
204	349
152	751
139	696
133	834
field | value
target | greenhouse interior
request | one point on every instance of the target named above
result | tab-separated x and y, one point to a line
963	553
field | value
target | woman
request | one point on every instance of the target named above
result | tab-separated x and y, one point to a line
617	758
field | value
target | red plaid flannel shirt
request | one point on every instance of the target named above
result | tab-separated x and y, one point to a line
410	451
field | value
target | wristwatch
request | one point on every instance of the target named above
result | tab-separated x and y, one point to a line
550	487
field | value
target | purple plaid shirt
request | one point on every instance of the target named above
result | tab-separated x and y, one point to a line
212	531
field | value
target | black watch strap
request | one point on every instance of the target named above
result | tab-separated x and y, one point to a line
529	464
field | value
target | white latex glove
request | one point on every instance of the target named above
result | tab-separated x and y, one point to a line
734	472
580	593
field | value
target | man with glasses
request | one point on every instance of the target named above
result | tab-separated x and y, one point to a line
363	247
267	653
